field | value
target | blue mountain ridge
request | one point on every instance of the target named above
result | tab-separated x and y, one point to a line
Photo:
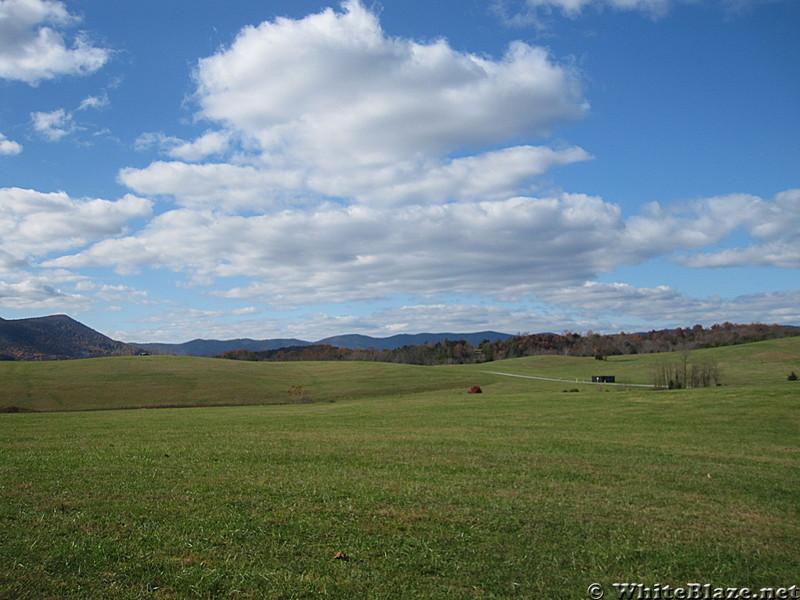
203	347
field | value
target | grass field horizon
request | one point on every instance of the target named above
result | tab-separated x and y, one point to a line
524	491
176	381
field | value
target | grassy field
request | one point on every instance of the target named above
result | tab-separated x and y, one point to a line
175	381
524	491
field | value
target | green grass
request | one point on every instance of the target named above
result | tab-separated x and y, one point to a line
158	381
761	363
521	492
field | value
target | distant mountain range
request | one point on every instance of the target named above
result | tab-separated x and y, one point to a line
59	337
201	347
54	338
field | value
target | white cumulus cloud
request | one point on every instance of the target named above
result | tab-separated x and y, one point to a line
518	247
37	293
342	164
53	125
334	94
219	186
9	147
33	47
533	12
209	144
773	227
331	107
33	224
95	102
519	13
665	304
507	248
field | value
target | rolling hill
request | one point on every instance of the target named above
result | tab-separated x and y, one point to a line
757	369
56	337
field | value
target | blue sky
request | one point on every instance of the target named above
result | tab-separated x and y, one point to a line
173	170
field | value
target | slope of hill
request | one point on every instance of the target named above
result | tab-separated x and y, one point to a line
182	381
56	337
759	369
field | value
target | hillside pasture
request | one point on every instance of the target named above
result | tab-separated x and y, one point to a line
524	491
179	381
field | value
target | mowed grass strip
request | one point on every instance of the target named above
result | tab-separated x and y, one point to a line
521	492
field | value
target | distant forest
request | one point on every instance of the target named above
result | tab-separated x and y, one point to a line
566	344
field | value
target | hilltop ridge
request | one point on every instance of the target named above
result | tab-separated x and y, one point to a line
202	347
56	337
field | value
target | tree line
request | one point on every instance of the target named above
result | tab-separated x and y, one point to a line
567	344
